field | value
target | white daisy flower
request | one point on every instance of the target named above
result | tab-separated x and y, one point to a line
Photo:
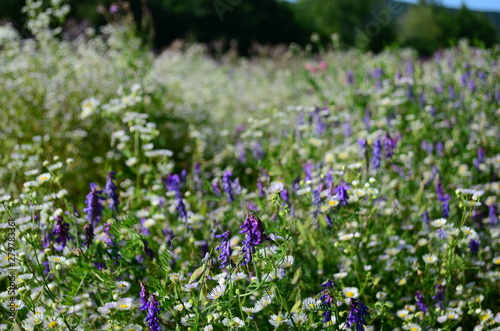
122	287
350	292
43	178
439	222
277	320
53	323
311	304
217	292
125	304
429	258
287	262
276	187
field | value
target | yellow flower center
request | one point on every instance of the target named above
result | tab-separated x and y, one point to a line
350	294
44	178
123	306
53	324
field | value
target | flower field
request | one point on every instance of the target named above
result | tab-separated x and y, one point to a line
340	191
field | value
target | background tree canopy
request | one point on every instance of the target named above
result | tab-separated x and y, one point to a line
365	24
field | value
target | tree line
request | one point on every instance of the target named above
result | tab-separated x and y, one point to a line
365	24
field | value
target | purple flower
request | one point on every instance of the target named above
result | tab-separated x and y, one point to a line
94	207
197	175
88	229
308	168
441	233
420	301
225	248
480	157
328	284
440	149
473	246
255	235
285	196
152	318
143	296
390	145
241	152
350	78
114	9
172	183
357	315
421	100
376	153
327	299
492	215
181	208
149	252
61	233
341	193
367	119
362	143
258	152
444	199
425	220
347	129
110	191
216	188
226	181
440	295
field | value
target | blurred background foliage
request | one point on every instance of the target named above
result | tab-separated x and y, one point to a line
239	24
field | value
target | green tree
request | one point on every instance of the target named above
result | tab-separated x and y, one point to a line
419	29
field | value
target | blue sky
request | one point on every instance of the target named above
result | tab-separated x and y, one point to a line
484	5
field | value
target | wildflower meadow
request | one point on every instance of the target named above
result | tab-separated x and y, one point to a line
175	191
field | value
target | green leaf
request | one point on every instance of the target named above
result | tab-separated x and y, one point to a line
197	273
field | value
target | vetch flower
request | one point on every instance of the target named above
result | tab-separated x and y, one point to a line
61	233
110	191
440	295
152	317
226	181
376	153
225	248
473	246
144	295
254	230
357	315
94	207
420	301
341	193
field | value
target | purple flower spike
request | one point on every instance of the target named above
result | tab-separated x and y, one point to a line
341	193
143	296
492	215
473	246
440	295
390	145
152	318
225	248
226	181
357	315
420	301
61	233
255	235
110	191
94	207
376	153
